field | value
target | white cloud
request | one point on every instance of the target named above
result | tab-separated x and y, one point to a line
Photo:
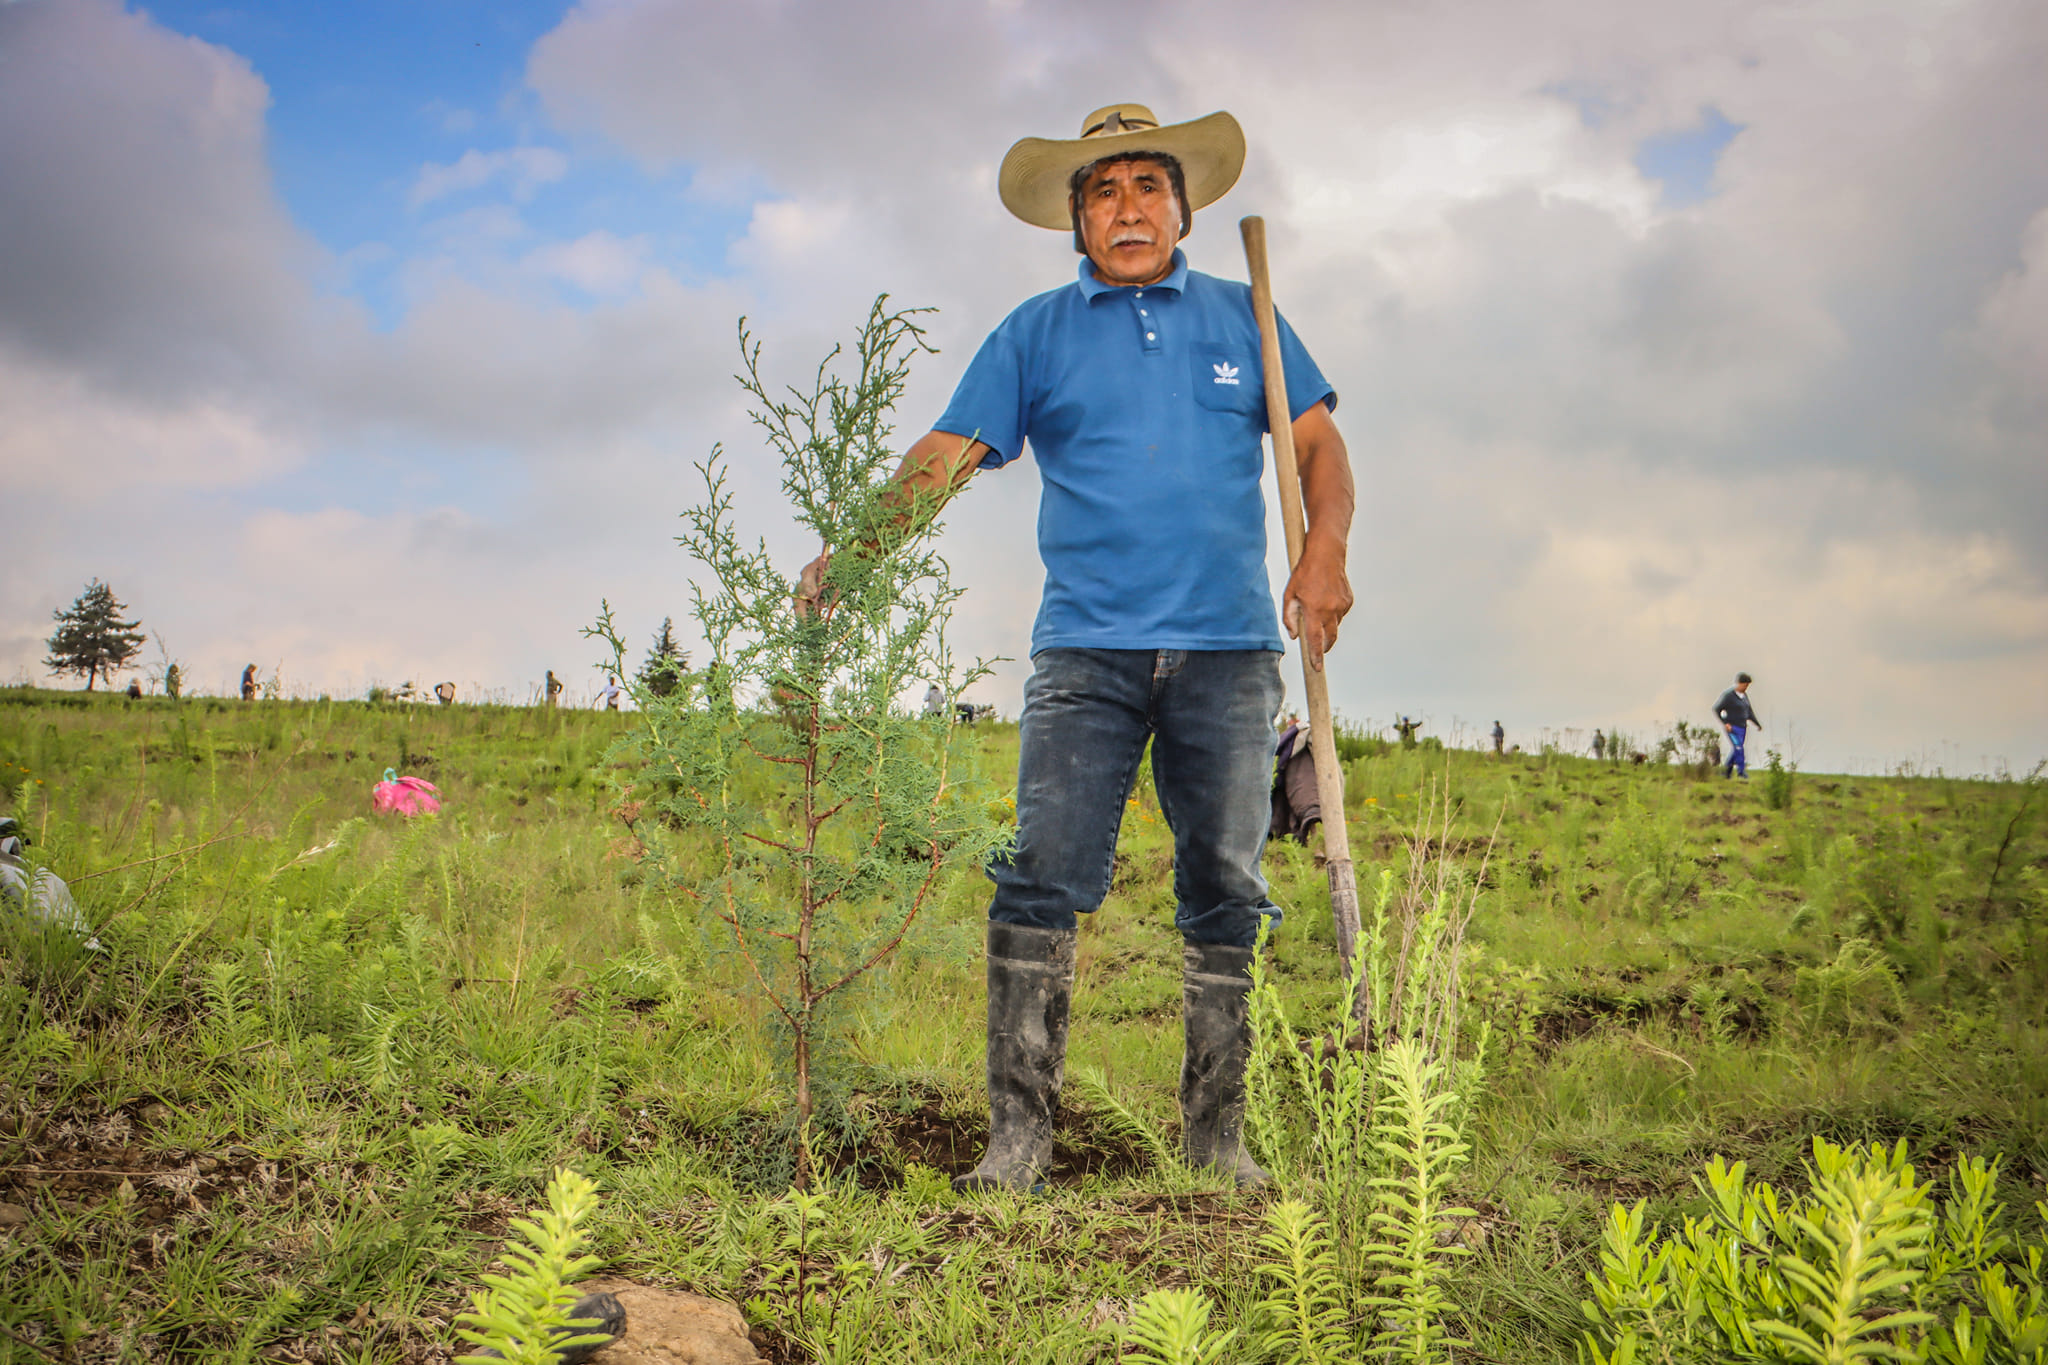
1612	602
2011	328
597	262
450	118
523	170
63	437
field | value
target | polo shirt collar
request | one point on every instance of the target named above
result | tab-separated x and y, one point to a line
1091	288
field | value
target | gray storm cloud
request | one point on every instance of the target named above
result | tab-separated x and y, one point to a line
1609	449
1611	446
143	244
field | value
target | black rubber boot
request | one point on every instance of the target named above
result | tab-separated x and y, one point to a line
1216	987
1030	986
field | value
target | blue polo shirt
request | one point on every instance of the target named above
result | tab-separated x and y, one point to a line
1145	408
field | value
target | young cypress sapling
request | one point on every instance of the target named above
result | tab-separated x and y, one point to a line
784	793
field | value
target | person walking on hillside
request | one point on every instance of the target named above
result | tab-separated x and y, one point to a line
249	683
1736	716
553	687
1500	737
1599	745
1141	392
609	694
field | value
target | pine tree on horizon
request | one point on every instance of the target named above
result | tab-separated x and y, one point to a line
666	661
91	638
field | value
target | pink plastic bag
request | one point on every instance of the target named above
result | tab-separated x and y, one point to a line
408	796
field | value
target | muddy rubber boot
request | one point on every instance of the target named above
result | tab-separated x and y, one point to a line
1030	985
1216	987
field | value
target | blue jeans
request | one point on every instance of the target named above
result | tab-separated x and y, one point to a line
1087	714
1736	762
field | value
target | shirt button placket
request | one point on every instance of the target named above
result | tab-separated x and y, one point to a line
1145	323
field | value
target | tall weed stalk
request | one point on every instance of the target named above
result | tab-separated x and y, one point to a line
1420	1149
1363	1123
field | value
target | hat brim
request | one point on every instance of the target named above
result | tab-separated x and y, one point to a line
1034	175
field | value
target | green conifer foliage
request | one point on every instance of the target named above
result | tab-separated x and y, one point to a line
91	638
782	792
666	661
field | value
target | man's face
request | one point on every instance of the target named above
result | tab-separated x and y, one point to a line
1130	221
1742	687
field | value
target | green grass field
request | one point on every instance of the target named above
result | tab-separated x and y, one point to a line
327	1055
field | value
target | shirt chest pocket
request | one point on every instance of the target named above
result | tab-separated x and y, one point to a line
1227	379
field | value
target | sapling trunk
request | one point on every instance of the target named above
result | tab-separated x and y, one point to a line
797	805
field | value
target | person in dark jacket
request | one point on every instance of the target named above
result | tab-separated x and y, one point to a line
1500	737
1297	800
1737	715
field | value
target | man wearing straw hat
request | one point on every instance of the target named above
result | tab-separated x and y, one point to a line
1140	391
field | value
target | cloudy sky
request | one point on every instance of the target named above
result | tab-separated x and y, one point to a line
376	342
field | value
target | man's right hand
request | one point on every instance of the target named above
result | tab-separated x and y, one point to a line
938	463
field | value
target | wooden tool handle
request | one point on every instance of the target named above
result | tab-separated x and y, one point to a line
1315	682
1278	420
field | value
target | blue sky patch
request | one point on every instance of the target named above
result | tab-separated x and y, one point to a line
365	97
1683	162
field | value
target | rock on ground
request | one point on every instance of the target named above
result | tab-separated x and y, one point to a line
669	1327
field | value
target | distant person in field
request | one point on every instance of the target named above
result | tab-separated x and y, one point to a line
1297	800
1407	726
1599	745
554	688
445	693
1736	716
249	683
1140	391
609	694
934	701
134	688
1500	737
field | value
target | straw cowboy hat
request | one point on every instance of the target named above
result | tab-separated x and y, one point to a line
1035	172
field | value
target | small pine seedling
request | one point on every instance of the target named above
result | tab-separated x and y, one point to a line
524	1316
